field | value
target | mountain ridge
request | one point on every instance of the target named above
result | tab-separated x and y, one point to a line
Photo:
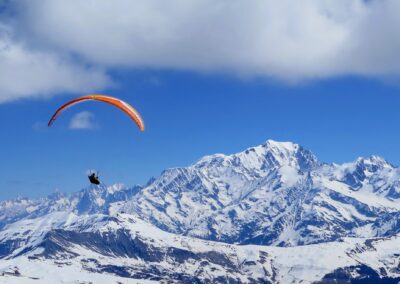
268	214
277	193
271	178
65	247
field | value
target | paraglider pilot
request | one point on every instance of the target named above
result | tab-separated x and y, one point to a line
94	179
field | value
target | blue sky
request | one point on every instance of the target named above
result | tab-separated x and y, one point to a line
201	87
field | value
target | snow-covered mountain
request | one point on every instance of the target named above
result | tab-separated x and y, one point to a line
273	194
93	199
241	218
67	248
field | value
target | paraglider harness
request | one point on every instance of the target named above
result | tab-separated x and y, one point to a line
94	179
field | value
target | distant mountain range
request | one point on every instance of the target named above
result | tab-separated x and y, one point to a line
270	214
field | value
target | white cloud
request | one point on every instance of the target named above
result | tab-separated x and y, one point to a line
43	47
286	39
25	72
83	120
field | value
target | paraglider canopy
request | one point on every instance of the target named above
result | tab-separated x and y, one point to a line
125	107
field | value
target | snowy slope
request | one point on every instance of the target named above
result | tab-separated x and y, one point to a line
277	193
270	214
64	247
93	199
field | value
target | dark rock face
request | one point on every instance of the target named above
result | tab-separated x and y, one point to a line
151	272
118	243
365	275
58	244
8	246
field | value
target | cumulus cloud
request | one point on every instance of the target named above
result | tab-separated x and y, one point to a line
283	39
25	72
83	120
286	39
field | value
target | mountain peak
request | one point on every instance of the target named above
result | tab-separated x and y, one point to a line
374	160
270	155
289	153
366	166
281	150
286	146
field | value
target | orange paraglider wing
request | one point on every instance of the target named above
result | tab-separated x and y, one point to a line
127	108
